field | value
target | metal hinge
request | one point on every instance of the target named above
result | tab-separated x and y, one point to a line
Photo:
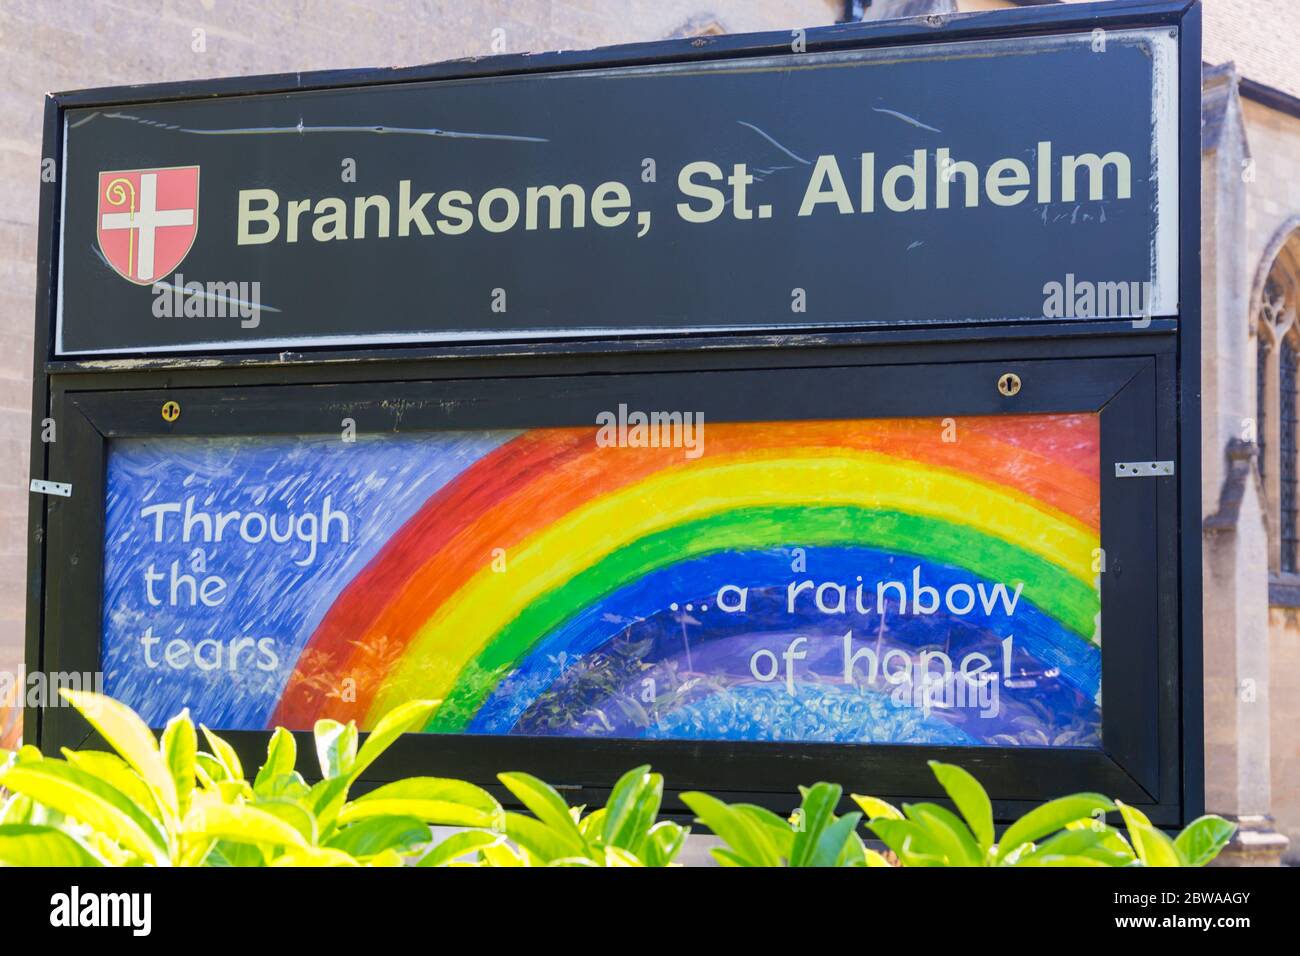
60	488
1143	469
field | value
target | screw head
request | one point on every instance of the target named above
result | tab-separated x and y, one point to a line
171	411
1009	384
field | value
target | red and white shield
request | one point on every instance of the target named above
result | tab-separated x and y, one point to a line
147	220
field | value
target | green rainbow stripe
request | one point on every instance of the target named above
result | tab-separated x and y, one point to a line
1055	591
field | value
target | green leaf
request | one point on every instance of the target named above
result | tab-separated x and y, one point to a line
114	771
947	831
632	808
131	737
101	806
747	838
412	715
314	856
832	842
1076	843
502	855
662	844
290	785
179	747
592	826
434	800
1050	817
544	842
815	814
240	823
458	845
225	755
911	843
373	835
206	765
1068	861
1204	838
971	799
779	832
875	808
23	844
548	806
729	857
225	854
291	812
336	747
1152	847
281	758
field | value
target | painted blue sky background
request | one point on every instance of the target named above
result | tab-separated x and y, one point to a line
379	482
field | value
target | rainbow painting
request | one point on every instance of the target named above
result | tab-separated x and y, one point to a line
847	581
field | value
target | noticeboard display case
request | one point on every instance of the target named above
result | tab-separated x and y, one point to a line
729	444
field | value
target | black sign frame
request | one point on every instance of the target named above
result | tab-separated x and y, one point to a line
121	395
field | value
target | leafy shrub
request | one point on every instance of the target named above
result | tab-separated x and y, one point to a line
625	832
167	803
813	836
1068	831
164	802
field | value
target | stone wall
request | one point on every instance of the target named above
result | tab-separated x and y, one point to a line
50	46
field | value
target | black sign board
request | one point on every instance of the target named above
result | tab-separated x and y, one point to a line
767	409
913	184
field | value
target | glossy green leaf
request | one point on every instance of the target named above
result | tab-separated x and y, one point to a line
632	808
115	771
281	759
404	834
209	770
1076	843
317	856
1203	839
662	844
226	853
1069	861
291	812
727	857
458	845
911	843
179	748
97	804
23	844
336	747
833	841
779	832
971	800
1152	847
131	737
548	806
502	855
225	754
816	813
412	715
875	808
289	785
747	838
947	831
1050	817
240	823
544	842
432	799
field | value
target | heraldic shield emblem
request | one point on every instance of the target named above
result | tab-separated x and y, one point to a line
147	220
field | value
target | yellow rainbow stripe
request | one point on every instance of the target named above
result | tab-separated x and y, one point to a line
463	625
